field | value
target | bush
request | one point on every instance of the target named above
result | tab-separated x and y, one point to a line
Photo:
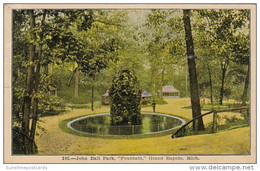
17	143
125	97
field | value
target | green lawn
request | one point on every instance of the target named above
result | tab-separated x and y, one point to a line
54	140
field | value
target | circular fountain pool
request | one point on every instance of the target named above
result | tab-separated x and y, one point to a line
99	125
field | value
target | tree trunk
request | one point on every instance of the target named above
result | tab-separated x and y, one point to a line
71	76
195	100
152	82
76	85
186	82
36	84
32	145
221	95
162	75
29	81
92	93
244	95
210	84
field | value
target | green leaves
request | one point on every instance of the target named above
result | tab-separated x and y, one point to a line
125	96
100	45
222	38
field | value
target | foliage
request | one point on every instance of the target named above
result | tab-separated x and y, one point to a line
18	146
223	40
100	44
125	97
164	45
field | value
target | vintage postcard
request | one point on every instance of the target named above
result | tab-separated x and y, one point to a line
129	83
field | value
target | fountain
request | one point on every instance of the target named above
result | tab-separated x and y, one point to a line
125	118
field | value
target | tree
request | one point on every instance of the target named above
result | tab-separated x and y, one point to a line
165	46
27	99
195	100
241	52
31	23
205	56
222	28
37	76
41	41
100	44
80	21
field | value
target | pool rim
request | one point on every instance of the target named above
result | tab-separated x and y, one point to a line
149	133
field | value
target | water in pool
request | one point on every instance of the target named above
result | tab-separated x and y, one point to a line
100	125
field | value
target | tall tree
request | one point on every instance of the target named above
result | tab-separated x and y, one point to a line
241	54
205	54
28	98
222	28
101	44
165	46
36	78
34	42
195	100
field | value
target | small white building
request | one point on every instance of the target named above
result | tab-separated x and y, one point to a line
169	91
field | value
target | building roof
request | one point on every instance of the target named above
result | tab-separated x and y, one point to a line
146	94
168	89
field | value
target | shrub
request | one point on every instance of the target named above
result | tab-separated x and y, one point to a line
125	97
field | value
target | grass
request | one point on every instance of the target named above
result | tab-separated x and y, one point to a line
224	124
97	104
209	107
54	140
